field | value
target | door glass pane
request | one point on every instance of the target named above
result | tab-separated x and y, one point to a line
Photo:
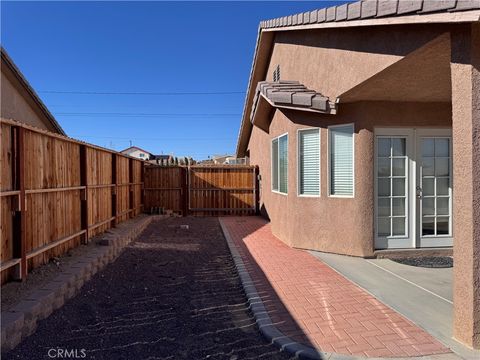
442	147
398	167
441	166
428	147
398	206
383	149
435	184
383	166
427	167
428	225
428	187
442	225
428	206
398	226
383	226
443	186
398	187
391	186
384	187
442	205
384	206
398	146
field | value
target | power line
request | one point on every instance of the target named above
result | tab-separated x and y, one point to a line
166	93
153	139
142	114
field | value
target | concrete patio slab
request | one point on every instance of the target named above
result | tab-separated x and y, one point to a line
423	295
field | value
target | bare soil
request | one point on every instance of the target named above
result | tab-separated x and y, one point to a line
172	294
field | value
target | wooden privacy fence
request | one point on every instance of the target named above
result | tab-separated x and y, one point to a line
202	190
56	192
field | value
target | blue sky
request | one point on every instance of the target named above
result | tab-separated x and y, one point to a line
142	47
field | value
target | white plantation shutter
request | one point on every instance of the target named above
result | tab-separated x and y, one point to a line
275	164
283	163
341	160
309	162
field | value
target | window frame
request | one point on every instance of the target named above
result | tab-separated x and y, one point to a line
329	162
299	194
278	164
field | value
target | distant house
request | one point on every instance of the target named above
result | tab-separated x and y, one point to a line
228	160
137	152
20	102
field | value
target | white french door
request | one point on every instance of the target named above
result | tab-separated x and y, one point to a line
413	188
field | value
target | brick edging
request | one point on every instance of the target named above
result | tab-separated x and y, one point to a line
264	323
21	321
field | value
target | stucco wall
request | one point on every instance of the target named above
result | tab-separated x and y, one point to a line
16	104
332	61
339	225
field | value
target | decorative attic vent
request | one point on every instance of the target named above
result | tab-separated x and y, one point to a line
276	74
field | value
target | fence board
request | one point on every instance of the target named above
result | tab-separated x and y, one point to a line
54	192
211	190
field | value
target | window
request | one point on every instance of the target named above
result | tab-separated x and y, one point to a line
280	164
341	160
142	155
309	162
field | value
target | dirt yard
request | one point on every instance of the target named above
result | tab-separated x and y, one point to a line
172	294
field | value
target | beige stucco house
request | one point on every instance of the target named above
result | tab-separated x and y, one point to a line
20	102
364	120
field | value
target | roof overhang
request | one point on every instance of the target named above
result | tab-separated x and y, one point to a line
463	13
286	95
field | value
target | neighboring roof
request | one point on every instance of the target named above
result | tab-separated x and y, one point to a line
359	13
7	60
367	9
131	148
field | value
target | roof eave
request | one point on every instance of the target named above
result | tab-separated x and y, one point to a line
26	85
264	41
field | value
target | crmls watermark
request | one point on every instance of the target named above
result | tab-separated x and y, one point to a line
59	353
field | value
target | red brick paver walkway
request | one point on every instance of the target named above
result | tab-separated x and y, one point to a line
311	303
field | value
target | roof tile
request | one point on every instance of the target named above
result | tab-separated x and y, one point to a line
408	6
467	5
306	17
354	10
387	7
369	9
321	15
341	12
331	13
437	5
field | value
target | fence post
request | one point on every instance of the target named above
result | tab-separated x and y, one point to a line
256	190
142	192
19	217
185	190
84	193
130	188
114	189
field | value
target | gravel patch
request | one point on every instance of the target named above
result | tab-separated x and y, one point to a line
172	294
427	261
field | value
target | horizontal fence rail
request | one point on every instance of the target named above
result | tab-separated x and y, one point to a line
57	192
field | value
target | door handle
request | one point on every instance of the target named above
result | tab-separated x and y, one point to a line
419	192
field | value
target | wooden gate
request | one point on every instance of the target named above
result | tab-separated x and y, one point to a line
202	190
